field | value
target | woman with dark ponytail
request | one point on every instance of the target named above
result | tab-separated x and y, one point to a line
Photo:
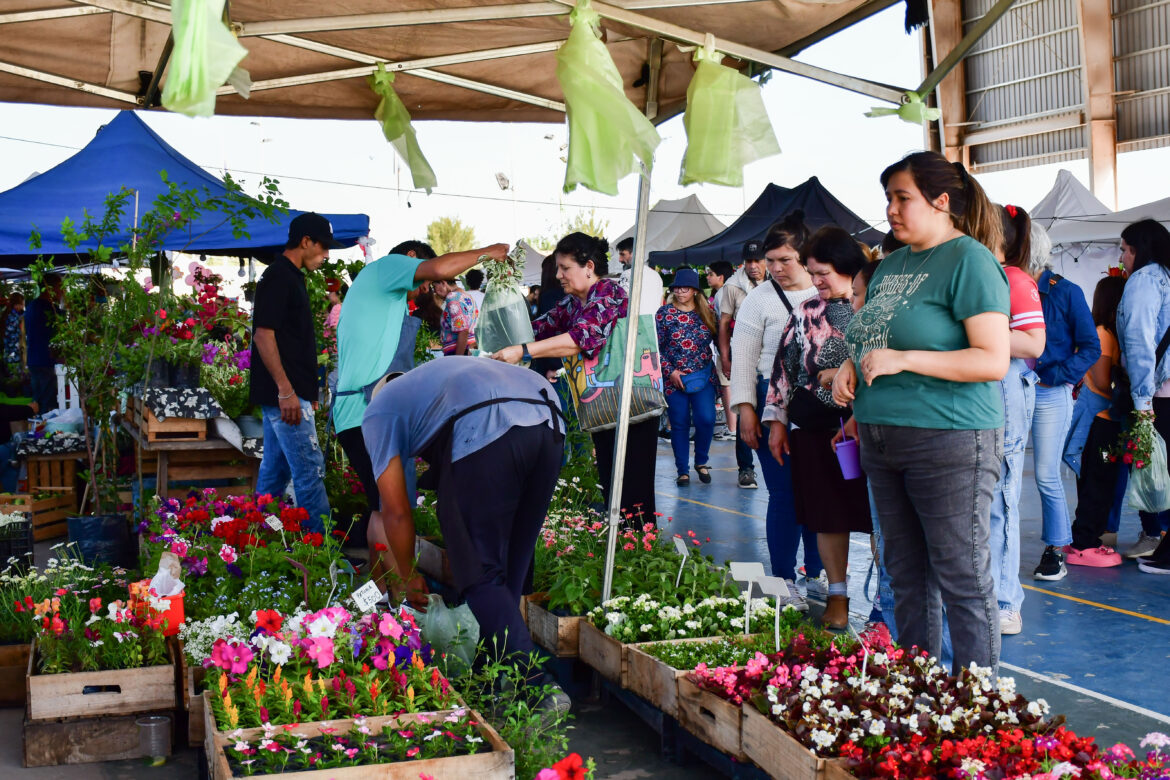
927	350
580	324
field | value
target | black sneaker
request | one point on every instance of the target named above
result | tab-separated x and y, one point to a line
747	479
1051	566
1150	566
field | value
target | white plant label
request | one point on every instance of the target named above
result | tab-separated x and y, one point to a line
681	547
273	522
775	586
366	596
749	572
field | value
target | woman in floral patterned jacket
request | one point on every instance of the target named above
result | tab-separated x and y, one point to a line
580	324
685	327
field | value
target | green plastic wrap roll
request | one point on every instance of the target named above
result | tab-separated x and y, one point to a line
399	132
726	122
608	135
204	56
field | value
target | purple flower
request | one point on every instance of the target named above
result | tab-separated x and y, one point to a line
209	353
196	567
402	656
235	571
243	359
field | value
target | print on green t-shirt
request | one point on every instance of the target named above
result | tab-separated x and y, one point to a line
367	334
918	301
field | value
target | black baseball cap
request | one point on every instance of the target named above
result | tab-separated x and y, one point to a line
753	250
315	227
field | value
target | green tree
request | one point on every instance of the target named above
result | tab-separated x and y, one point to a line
449	234
588	223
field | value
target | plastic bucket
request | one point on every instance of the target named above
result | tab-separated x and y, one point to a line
849	457
102	539
154	735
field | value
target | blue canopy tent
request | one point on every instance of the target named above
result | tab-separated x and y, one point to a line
819	206
127	153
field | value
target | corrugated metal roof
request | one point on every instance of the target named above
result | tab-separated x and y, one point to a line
1027	67
1141	71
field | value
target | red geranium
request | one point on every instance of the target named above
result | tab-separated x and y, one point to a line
571	767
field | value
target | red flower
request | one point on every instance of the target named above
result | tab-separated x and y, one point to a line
269	620
379	547
314	539
571	767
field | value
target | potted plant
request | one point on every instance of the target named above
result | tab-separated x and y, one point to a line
109	335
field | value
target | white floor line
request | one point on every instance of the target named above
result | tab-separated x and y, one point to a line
1124	705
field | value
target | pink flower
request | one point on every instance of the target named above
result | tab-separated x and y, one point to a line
320	649
228	553
412	752
231	656
390	627
547	774
179	548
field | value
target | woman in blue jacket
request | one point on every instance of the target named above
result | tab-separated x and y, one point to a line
1143	320
1070	349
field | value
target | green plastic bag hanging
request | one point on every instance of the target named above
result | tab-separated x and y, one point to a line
608	135
912	110
726	122
395	119
205	54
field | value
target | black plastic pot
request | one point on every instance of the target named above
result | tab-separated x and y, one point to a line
160	374
250	427
103	539
185	375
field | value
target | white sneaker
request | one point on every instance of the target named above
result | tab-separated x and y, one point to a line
1010	621
817	584
1145	546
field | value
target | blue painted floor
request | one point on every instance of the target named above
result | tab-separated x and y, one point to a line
1113	651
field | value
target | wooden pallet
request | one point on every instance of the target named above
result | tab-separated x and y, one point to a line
82	740
556	633
779	754
111	692
716	721
602	653
497	764
154	430
49	511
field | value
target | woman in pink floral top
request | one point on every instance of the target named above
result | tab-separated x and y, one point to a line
579	325
804	418
685	329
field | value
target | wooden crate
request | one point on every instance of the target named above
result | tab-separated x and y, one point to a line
82	740
499	764
432	561
716	721
154	430
113	692
779	754
13	668
556	633
655	680
49	510
51	473
601	652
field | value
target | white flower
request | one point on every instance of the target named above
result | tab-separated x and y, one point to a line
877	728
1065	768
972	767
1156	740
822	738
279	652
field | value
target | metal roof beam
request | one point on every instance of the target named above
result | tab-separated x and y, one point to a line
402	65
748	53
61	81
368	59
49	13
479	13
150	12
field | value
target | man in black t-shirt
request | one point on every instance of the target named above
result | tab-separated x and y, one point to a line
284	369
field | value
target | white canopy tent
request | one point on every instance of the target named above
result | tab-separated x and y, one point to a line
533	258
1069	202
674	224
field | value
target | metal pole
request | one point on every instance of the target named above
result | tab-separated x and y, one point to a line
639	264
955	55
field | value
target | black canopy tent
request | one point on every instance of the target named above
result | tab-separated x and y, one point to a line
820	208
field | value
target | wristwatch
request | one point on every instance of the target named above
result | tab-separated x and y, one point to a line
527	356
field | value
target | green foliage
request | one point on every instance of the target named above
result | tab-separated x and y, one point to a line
729	650
449	234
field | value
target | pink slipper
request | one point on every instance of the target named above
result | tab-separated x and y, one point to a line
1099	557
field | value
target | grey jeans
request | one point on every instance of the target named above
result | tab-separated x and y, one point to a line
933	491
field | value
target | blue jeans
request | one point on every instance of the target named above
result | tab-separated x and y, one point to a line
292	451
1050	425
1018	391
784	533
933	489
682	408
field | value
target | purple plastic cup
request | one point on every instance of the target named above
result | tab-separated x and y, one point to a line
850	458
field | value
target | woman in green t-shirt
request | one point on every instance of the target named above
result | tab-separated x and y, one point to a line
929	345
